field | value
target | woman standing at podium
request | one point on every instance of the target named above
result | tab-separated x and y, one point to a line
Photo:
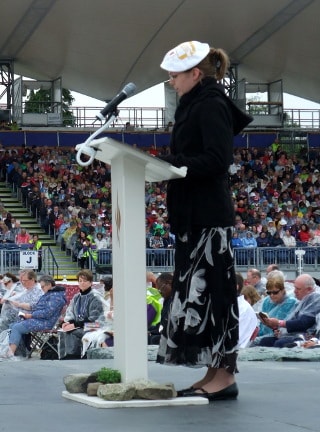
203	323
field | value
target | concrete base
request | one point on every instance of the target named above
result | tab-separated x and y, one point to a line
96	402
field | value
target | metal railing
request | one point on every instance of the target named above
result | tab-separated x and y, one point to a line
138	117
49	263
302	118
155	118
157	261
11	257
296	259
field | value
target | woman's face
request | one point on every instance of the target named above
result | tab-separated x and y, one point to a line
276	295
8	284
183	82
84	284
27	283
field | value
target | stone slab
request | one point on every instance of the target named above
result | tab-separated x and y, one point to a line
279	354
96	402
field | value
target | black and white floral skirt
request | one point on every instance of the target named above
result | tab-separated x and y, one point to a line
203	322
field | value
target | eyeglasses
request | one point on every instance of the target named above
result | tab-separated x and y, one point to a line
273	292
175	75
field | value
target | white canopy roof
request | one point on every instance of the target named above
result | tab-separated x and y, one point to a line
98	46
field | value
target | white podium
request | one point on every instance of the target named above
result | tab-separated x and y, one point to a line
130	169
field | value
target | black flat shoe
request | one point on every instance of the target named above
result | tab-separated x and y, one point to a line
183	392
230	392
191	391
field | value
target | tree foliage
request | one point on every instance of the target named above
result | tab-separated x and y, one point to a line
41	102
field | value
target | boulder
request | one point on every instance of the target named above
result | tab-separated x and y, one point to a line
92	389
76	383
137	389
116	392
152	391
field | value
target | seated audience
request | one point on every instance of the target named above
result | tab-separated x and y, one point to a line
236	241
164	285
304	234
288	239
263	240
104	336
249	241
254	278
271	267
21	301
42	316
23	238
85	307
247	317
100	241
10	287
277	303
251	296
276	240
302	320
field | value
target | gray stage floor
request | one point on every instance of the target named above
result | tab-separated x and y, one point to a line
274	397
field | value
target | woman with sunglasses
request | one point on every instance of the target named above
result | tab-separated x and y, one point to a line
277	304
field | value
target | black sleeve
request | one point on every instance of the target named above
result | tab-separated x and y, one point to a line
300	324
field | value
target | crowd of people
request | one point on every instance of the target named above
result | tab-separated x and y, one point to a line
73	203
276	197
287	312
276	200
32	304
272	311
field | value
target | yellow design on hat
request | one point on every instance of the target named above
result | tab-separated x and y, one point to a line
185	56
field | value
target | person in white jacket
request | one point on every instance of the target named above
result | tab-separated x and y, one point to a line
248	322
289	240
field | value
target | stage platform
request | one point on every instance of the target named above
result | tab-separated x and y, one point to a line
274	396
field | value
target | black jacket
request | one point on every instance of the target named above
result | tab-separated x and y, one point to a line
202	140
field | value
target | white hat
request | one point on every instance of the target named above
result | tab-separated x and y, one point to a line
185	56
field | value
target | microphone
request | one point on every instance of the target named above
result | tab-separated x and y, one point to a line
126	92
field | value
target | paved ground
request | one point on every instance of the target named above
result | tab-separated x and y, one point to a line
274	397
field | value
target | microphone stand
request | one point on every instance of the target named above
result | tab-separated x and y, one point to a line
84	148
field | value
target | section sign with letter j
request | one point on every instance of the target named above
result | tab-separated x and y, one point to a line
29	259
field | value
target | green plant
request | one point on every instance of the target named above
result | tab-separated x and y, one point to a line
108	376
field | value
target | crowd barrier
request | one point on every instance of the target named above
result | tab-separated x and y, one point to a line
10	257
157	260
162	260
298	258
294	259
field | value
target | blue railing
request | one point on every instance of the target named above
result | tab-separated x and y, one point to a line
157	261
288	259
